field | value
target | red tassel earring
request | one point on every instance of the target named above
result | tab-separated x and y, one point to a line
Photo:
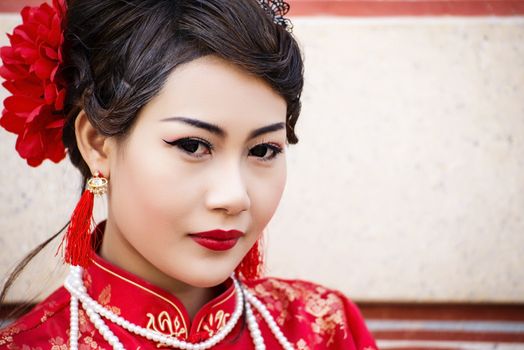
252	266
78	237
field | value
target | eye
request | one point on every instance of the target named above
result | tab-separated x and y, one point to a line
265	151
194	147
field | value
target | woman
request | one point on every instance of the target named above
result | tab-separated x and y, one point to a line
181	112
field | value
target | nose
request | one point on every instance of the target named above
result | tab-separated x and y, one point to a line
228	190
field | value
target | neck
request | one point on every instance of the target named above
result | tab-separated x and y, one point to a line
118	251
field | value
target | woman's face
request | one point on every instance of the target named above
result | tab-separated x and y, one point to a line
202	155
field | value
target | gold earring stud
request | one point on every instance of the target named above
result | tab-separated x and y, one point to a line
97	184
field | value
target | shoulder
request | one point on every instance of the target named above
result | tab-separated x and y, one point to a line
329	316
41	327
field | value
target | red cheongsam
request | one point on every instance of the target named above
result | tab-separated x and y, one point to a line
311	316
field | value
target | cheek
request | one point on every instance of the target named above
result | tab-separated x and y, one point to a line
148	195
265	193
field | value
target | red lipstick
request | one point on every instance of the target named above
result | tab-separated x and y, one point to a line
217	239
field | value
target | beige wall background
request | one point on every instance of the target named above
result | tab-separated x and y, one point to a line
407	183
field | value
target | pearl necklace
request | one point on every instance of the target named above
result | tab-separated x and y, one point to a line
94	310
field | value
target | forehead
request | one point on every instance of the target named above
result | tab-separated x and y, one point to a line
215	90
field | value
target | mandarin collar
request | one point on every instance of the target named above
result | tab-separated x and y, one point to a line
150	306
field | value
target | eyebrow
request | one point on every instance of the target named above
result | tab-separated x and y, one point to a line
215	129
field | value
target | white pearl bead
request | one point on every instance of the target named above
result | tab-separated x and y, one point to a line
75	286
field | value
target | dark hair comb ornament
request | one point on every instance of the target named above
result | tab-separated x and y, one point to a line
277	9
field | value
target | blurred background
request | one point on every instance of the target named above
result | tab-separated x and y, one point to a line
406	189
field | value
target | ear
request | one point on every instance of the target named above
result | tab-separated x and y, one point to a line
94	147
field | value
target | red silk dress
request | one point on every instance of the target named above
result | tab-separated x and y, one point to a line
310	316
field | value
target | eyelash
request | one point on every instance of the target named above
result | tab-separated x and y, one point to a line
180	142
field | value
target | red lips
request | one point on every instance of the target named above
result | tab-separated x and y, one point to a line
218	240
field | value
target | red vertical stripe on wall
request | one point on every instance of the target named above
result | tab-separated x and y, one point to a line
407	8
16	5
370	7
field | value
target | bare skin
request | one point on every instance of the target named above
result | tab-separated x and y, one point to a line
162	189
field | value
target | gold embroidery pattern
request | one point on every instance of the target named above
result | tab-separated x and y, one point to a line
46	314
141	287
329	315
89	343
58	343
164	324
7	334
84	325
311	306
46	311
88	280
105	298
23	347
215	306
87	333
302	345
215	321
279	305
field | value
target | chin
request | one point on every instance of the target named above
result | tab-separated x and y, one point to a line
205	279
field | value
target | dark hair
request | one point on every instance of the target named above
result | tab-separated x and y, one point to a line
119	53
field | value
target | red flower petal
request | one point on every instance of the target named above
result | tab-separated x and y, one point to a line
52	76
9	56
50	93
26	14
11	122
28	53
43	32
59	6
59	104
43	68
31	148
12	72
25	87
31	72
57	124
57	150
36	116
55	33
21	104
49	53
23	33
29	111
43	14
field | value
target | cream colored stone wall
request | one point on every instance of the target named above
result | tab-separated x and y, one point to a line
407	183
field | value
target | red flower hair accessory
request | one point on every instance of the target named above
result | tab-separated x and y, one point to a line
31	72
